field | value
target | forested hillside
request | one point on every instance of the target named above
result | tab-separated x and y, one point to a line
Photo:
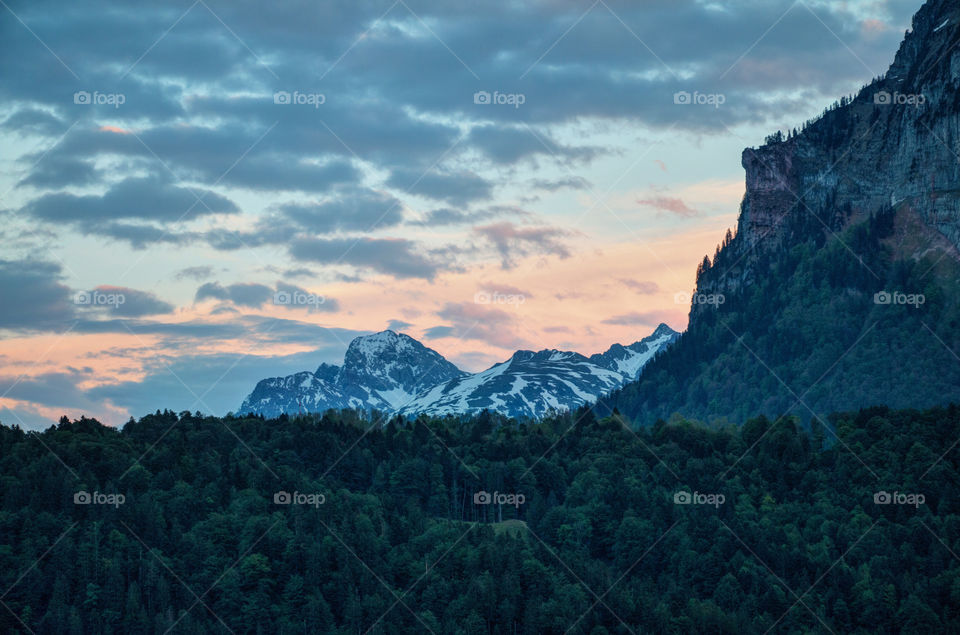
813	334
336	524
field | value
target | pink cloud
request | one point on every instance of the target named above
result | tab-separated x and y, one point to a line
670	204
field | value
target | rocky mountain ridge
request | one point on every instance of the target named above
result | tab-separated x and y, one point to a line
395	373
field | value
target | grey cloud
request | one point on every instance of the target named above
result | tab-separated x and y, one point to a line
439	332
379	109
132	302
269	231
455	188
139	235
254	295
471	321
513	242
135	197
644	318
57	172
284	172
299	272
32	296
195	273
204	375
398	325
448	216
242	294
598	68
300	298
397	257
512	144
357	210
183	336
36	121
643	287
553	185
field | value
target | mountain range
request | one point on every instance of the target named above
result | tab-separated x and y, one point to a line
392	372
840	285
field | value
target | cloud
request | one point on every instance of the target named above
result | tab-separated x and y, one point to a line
553	185
354	210
398	325
123	301
58	172
248	294
645	318
470	321
204	376
34	121
439	332
32	296
45	391
254	295
299	272
447	216
292	297
456	188
643	287
142	198
280	171
194	273
509	145
669	204
139	235
513	242
35	299
397	257
502	289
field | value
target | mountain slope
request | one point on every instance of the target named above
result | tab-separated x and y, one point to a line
383	371
841	283
394	373
531	384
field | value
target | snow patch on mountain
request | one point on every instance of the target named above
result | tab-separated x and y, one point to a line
395	373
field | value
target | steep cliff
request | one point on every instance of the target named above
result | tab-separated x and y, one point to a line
841	282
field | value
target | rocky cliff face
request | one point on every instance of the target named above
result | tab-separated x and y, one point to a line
842	283
895	144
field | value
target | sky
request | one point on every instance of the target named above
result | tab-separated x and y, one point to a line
198	195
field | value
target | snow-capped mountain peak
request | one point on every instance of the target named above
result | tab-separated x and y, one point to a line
396	373
371	346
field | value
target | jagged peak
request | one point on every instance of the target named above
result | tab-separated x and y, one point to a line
661	330
378	342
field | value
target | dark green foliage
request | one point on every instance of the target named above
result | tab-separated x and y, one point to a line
399	546
806	336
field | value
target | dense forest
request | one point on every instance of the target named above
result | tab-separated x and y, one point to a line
807	335
343	523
